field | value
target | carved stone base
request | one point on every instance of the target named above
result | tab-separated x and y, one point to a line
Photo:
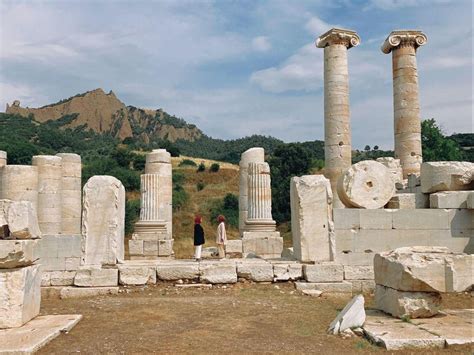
260	225
267	245
150	249
150	230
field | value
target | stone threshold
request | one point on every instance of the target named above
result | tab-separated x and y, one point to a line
35	334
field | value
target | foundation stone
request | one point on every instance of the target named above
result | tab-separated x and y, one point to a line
447	176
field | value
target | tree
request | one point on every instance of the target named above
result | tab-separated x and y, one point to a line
367	148
436	146
288	160
376	147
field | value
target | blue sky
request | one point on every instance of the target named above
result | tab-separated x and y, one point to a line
236	68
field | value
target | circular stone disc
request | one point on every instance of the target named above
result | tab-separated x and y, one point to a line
366	184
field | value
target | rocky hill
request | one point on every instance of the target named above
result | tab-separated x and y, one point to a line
105	113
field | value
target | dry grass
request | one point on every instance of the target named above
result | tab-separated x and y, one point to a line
216	186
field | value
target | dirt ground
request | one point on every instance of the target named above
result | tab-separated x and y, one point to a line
244	318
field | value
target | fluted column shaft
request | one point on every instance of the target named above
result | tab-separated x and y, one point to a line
260	193
150	197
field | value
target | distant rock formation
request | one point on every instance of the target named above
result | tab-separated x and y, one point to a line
105	113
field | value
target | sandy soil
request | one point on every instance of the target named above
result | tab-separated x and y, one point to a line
244	318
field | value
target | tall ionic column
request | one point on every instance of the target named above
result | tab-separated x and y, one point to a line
406	104
71	193
151	222
337	126
49	193
252	155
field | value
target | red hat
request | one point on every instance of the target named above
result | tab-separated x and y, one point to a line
197	219
221	218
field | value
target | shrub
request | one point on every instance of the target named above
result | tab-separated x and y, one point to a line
229	207
200	186
178	178
201	168
180	197
214	168
187	162
132	213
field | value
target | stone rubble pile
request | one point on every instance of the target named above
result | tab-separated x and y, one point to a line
409	281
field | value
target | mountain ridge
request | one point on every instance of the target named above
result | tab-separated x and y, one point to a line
105	113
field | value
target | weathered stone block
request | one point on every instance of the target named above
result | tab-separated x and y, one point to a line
461	219
450	199
150	247
136	274
267	245
406	201
355	258
286	272
103	221
135	247
352	316
80	292
327	287
363	286
21	219
407	304
234	246
255	271
17	253
72	264
424	269
20	295
172	272
376	219
329	272
165	247
346	218
62	278
447	176
311	214
421	219
219	273
93	277
363	272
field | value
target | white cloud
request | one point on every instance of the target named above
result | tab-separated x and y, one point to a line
301	71
261	44
317	26
397	4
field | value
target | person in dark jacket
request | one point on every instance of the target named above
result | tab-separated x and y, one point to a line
198	237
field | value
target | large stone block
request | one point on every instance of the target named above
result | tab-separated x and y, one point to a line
20	295
178	271
421	219
136	274
406	201
20	217
325	272
94	277
268	245
287	272
18	253
311	217
366	184
255	271
62	278
346	218
234	247
394	166
424	269
103	221
363	272
218	273
403	304
376	219
325	287
450	199
447	176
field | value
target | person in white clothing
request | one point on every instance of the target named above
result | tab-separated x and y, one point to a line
221	237
198	237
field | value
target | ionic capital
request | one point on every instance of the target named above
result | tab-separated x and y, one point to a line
338	36
404	38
